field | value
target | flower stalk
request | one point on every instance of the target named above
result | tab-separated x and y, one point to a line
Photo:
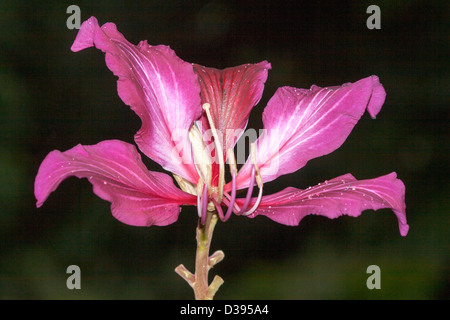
204	262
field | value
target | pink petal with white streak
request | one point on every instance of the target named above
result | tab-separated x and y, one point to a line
161	88
138	196
300	125
343	195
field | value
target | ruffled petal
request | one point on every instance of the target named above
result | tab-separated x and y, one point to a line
301	124
161	88
231	93
343	195
138	196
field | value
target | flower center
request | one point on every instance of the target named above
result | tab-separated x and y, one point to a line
210	197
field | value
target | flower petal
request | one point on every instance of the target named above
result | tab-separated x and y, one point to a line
231	93
300	125
343	195
161	88
138	196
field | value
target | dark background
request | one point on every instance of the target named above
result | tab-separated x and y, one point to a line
51	98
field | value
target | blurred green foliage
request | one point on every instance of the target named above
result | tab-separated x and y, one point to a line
51	98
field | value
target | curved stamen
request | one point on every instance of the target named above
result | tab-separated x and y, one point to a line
256	205
226	201
233	169
233	198
204	204
249	192
258	179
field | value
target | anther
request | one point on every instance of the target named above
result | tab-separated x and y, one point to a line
255	164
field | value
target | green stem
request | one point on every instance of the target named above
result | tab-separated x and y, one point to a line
204	262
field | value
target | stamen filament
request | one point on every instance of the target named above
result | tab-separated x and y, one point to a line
226	201
256	205
233	198
233	169
219	152
258	179
249	192
218	209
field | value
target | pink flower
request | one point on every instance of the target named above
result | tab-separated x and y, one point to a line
192	117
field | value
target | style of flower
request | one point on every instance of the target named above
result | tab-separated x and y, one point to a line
192	117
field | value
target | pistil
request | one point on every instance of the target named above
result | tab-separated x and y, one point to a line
218	151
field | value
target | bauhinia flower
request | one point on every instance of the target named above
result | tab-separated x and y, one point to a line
192	117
